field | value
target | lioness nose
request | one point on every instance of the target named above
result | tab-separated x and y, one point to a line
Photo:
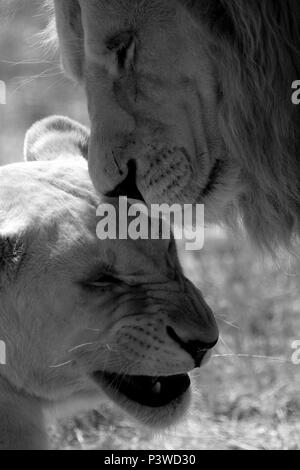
128	187
196	349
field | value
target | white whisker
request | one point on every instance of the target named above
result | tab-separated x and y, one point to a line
60	365
252	356
226	346
25	62
81	346
227	322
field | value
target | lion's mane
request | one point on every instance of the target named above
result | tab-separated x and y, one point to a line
256	48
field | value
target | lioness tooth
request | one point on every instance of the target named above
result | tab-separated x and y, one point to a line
157	388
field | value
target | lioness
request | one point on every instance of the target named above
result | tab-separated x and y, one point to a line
83	318
191	101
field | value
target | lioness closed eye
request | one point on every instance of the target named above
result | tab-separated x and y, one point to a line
83	318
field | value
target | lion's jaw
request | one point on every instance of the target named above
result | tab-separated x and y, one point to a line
152	95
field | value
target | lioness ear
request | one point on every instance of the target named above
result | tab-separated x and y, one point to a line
56	137
71	36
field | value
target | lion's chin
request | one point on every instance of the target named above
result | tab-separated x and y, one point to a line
157	402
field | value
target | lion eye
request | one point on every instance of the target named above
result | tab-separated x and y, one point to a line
104	280
123	45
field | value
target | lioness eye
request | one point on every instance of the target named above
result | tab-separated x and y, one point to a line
123	44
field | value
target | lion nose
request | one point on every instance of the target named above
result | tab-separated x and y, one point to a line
195	348
128	187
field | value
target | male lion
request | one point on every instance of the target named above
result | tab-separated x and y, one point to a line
82	318
199	92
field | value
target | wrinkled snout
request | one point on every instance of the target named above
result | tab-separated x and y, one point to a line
193	327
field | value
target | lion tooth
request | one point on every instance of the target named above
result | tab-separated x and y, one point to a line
157	388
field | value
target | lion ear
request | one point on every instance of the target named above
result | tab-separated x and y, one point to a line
71	36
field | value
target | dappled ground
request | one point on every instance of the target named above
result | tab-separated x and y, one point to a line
248	396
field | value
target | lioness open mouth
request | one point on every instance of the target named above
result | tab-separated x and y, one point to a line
147	391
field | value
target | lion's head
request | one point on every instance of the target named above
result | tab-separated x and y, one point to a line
82	316
199	91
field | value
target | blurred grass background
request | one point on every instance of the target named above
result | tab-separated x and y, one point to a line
248	396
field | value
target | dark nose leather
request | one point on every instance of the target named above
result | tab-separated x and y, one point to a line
197	349
128	187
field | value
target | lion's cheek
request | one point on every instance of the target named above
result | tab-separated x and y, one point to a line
165	177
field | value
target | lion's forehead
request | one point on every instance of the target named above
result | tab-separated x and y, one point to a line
133	10
155	24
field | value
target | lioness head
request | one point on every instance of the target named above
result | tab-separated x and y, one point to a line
190	101
80	316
